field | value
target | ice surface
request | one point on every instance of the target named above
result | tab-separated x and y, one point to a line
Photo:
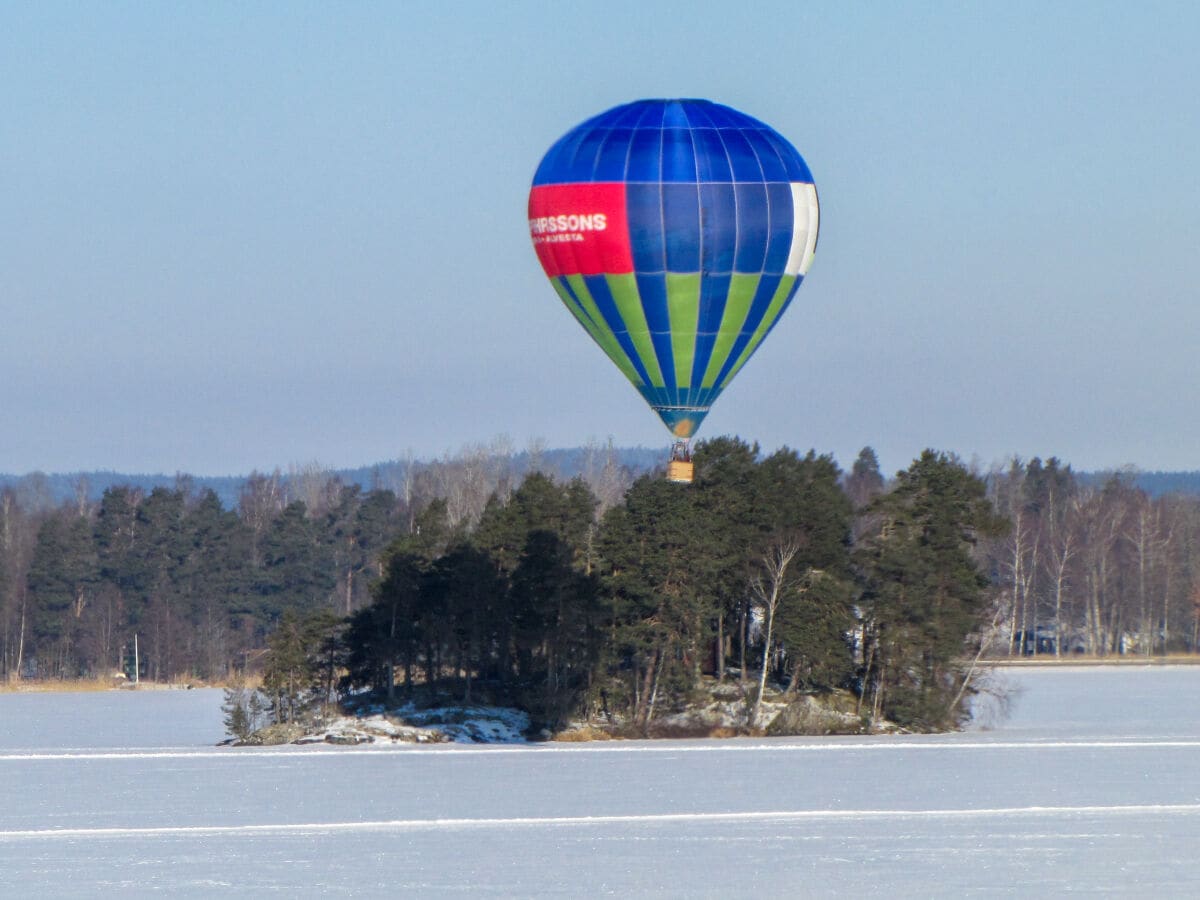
1098	701
119	719
1092	785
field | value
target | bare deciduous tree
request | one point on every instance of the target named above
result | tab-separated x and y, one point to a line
768	587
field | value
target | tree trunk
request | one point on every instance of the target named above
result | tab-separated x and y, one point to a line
794	682
649	683
21	639
720	660
868	661
745	626
653	692
762	676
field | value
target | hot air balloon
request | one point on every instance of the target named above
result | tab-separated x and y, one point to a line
677	233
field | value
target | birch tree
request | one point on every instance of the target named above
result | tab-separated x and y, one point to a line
768	587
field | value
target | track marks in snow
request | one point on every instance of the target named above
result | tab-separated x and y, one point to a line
1183	809
883	745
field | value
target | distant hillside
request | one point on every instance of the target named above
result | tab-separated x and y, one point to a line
43	490
1156	484
563	463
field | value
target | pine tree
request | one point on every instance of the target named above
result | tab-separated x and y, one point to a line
865	481
242	711
923	591
302	656
558	627
63	578
213	581
465	586
658	560
730	502
805	505
386	634
298	571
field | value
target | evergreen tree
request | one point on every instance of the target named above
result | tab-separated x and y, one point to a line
865	481
298	571
539	506
62	580
656	562
391	631
357	527
18	533
301	659
468	594
157	562
728	493
750	506
923	592
115	534
385	634
286	673
243	710
802	499
813	624
213	580
375	521
557	628
806	506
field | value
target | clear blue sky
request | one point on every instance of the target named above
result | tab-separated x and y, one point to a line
236	236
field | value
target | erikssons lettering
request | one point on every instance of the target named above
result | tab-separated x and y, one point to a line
572	223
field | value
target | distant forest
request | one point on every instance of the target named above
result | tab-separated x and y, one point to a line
202	569
562	463
572	581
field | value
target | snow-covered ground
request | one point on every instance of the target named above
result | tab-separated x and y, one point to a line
1091	785
464	724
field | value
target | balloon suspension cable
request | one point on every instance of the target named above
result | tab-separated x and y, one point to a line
681	451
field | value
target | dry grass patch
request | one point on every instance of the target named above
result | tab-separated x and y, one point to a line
582	734
725	731
686	730
57	685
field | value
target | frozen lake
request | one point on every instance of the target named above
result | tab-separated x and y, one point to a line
1092	784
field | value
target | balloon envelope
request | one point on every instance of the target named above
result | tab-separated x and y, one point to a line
677	233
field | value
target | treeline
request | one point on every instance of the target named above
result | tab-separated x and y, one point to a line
498	457
603	594
1096	566
200	585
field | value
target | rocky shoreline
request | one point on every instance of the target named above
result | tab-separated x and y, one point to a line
725	714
